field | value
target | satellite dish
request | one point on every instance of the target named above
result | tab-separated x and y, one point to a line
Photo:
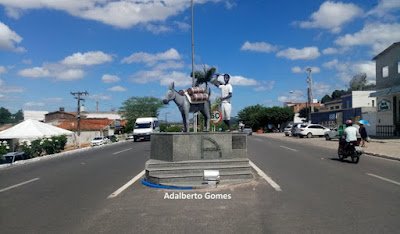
358	80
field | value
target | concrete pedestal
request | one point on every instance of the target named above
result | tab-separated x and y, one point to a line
179	159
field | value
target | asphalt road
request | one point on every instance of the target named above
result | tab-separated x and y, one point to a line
319	195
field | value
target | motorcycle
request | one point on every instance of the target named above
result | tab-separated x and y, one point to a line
351	149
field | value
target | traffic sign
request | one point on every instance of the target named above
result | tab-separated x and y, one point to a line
216	116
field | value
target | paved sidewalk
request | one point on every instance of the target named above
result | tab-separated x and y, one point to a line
386	148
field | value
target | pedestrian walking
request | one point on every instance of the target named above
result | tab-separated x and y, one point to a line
364	134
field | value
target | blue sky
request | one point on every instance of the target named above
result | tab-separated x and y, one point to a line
118	49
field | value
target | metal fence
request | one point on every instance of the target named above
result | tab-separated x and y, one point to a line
385	130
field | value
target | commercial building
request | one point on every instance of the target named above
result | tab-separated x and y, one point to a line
388	91
351	105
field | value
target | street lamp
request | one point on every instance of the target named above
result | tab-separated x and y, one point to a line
307	104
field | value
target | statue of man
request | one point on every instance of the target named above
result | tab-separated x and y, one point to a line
226	107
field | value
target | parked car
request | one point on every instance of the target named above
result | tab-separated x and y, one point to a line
249	131
113	138
130	137
99	141
296	129
288	130
337	132
311	130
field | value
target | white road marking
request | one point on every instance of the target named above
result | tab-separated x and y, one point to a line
383	178
257	139
288	148
122	151
266	177
125	186
17	185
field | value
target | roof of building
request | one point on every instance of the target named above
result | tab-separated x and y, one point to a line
386	50
63	112
87	124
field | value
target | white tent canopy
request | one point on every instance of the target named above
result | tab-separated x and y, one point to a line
33	129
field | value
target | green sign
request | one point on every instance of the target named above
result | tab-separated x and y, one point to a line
384	105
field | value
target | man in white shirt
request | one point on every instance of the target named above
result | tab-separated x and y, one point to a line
226	106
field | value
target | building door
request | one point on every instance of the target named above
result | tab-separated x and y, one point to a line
339	118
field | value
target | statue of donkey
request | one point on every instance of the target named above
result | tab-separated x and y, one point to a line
186	107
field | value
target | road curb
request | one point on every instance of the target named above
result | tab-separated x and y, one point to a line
382	156
51	156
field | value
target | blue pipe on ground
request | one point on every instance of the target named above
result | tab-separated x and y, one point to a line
148	184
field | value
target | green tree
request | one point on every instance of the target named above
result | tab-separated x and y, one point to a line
306	110
136	107
19	116
251	116
326	98
5	116
337	93
174	129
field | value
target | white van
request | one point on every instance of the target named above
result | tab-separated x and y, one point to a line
144	127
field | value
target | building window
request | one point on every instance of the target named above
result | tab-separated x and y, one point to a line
347	104
385	71
373	103
398	67
331	107
336	107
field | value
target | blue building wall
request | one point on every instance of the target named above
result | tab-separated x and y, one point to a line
320	117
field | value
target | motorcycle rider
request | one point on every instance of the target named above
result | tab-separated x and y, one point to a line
350	134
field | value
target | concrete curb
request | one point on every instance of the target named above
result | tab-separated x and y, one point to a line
52	156
382	156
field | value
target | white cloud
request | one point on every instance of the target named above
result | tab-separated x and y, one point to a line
180	79
332	16
239	81
379	36
321	88
265	85
330	51
36	72
34	104
169	65
66	70
347	70
106	78
384	7
3	70
100	96
331	64
307	53
27	61
9	89
119	13
183	26
298	69
56	71
87	59
157	29
53	99
152	59
117	89
259	47
9	39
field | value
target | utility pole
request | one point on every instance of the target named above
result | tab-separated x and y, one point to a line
78	96
193	76
309	80
97	106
